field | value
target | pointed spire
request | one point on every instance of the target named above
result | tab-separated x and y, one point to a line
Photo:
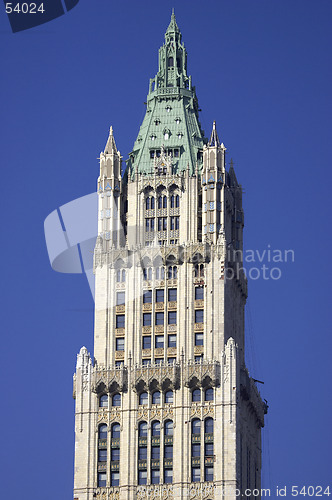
173	27
214	139
110	147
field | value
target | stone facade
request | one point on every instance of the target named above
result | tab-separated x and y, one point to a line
166	408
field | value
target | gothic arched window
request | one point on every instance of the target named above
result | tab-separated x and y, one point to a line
169	428
156	398
103	401
169	397
102	431
196	395
208	425
155	428
143	398
172	272
116	399
143	429
115	431
209	394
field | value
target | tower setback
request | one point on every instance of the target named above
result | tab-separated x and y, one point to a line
166	408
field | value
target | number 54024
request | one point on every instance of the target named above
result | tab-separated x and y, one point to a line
24	8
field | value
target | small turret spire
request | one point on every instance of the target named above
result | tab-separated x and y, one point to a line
110	147
214	139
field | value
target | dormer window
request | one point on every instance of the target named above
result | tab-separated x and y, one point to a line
168	109
153	137
167	134
177	120
180	135
157	122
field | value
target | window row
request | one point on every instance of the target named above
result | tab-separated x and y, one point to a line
160	295
160	318
202	448
155	453
115	400
158	361
160	273
156	153
159	341
174	224
196	395
150	202
155	398
103	455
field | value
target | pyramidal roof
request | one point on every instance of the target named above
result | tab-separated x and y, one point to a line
171	120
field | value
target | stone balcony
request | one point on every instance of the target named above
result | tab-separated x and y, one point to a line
111	380
203	374
161	376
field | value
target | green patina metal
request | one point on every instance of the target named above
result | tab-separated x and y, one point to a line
171	124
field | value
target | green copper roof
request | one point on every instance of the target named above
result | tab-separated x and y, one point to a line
171	120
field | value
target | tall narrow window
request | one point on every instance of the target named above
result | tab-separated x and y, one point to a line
160	202
168	452
159	341
172	317
172	295
120	321
160	293
199	316
159	318
172	272
142	452
147	342
199	293
146	319
164	201
121	275
115	454
120	344
102	453
195	450
208	449
120	298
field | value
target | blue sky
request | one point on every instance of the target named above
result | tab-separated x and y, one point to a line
262	71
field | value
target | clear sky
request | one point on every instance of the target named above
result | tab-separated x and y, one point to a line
262	70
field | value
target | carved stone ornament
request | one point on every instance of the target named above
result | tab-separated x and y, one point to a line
157	492
201	491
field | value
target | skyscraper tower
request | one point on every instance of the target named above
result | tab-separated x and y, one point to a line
166	408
